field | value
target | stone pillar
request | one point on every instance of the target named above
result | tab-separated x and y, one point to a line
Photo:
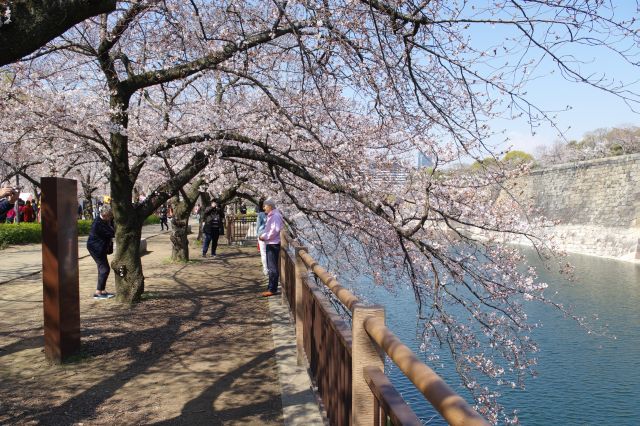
301	272
60	276
365	353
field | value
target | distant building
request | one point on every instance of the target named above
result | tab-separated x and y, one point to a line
393	174
424	161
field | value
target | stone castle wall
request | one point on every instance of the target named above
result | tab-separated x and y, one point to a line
595	204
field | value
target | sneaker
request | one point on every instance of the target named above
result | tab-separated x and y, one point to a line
204	254
268	294
103	296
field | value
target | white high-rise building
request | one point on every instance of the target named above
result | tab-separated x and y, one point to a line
424	161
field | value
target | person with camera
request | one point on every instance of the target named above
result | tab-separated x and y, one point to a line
100	244
8	198
213	222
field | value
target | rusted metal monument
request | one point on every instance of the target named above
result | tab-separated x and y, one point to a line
60	277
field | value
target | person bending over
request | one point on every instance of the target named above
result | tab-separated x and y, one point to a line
100	244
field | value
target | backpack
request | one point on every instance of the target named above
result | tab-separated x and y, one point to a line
212	219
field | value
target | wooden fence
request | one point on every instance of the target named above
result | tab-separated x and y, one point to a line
241	229
346	362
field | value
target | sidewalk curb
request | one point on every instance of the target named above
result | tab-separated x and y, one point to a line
299	404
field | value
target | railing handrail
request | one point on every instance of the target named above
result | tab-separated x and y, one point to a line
339	326
453	408
347	298
389	398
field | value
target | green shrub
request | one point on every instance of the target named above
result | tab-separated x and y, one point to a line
517	157
84	226
249	214
151	220
21	233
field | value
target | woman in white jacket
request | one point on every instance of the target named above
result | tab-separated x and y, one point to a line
261	222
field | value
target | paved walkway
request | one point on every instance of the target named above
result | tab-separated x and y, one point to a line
199	349
19	261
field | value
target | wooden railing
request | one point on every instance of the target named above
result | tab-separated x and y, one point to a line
346	362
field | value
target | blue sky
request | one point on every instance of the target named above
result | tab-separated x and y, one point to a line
590	108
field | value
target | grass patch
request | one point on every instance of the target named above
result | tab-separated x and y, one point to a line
79	358
149	295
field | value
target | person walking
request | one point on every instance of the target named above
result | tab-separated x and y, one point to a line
100	244
260	224
243	212
271	238
163	215
212	219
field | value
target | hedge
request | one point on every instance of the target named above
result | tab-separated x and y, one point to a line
31	232
21	233
151	220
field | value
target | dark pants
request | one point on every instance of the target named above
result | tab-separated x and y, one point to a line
163	223
210	237
273	254
103	271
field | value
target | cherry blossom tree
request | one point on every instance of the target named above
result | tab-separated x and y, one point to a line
314	102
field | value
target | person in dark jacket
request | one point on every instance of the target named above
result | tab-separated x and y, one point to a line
212	219
100	244
163	214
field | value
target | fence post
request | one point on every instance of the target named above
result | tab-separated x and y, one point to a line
231	228
365	353
282	265
301	272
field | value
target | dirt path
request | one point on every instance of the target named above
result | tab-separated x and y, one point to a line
197	351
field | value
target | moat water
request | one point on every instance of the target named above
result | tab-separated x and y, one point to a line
583	378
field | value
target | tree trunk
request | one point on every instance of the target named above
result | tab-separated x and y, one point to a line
181	213
179	240
87	191
206	200
127	264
